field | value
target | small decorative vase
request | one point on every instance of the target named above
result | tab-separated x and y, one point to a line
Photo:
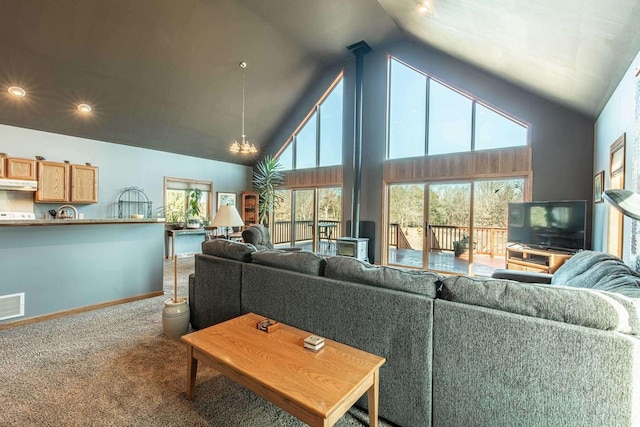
175	317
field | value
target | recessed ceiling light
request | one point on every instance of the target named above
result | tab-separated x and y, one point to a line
84	108
17	91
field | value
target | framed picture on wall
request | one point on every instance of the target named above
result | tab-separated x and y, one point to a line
226	199
598	187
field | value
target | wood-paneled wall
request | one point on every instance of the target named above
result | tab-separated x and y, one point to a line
317	177
479	164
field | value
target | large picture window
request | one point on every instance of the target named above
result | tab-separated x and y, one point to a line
317	141
449	120
407	112
306	142
428	117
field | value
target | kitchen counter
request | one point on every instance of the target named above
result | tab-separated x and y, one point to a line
67	265
97	221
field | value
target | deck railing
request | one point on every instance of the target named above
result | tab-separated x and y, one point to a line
398	238
487	240
281	230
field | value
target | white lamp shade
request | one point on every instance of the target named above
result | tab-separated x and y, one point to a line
227	216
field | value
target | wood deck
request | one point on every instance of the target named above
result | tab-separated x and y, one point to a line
443	261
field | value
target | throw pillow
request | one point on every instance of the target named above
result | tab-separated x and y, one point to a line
598	270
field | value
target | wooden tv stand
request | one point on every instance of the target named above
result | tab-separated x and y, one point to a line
538	260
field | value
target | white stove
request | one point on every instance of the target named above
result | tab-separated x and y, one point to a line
16	216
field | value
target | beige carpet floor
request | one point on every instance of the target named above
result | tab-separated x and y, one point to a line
114	367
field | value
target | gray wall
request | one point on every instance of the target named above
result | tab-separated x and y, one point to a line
561	139
617	118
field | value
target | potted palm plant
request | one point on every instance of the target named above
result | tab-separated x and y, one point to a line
267	178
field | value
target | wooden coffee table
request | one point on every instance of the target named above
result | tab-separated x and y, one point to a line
315	387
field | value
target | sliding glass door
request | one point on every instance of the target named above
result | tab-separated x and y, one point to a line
295	221
329	225
406	219
490	202
466	224
449	227
282	230
303	219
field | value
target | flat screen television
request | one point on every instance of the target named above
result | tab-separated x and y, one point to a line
548	225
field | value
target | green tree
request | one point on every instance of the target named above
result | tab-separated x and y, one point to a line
329	204
406	205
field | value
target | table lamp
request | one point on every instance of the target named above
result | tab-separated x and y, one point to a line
227	216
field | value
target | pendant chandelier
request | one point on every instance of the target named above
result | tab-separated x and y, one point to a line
244	147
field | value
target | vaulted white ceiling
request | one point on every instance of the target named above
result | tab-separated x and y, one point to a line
572	52
164	74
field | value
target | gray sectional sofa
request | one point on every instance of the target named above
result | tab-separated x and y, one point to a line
460	351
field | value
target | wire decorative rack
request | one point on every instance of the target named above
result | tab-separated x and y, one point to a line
133	201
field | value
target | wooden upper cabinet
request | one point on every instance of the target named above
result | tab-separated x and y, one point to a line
20	169
62	182
84	184
1	167
53	182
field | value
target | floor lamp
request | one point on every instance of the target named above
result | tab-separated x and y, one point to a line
626	201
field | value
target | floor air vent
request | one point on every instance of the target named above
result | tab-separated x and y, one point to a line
11	306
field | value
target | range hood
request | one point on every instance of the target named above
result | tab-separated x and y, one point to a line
18	185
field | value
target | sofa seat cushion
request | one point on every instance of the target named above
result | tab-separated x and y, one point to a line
606	311
353	270
301	262
597	270
228	249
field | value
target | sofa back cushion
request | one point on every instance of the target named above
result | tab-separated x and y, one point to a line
597	270
228	249
584	307
353	270
301	262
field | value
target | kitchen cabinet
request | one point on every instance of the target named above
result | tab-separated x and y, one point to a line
63	182
84	184
20	169
53	182
1	167
249	207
